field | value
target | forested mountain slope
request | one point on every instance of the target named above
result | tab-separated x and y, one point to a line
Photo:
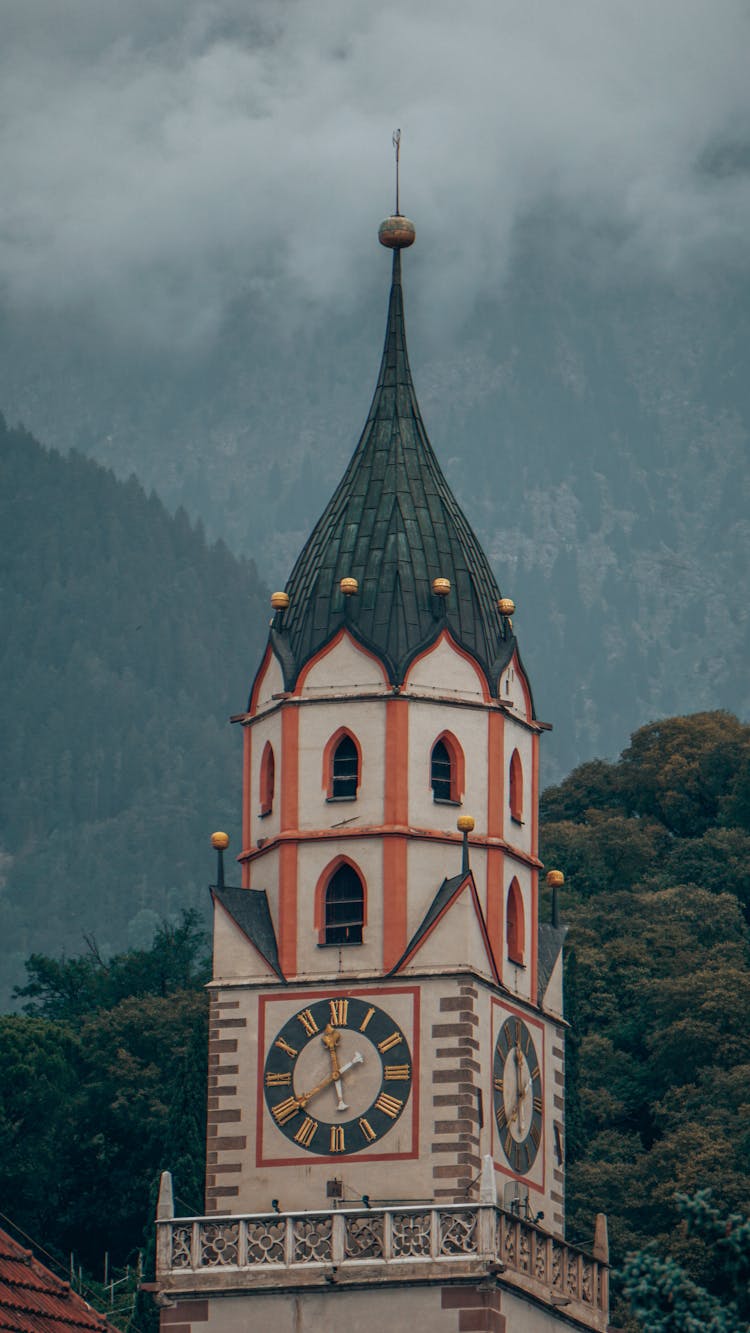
594	423
127	642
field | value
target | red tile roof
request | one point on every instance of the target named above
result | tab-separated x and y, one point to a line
33	1300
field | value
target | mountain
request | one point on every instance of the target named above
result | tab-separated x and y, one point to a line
593	421
127	642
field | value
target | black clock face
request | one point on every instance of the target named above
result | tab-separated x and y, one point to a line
517	1094
337	1076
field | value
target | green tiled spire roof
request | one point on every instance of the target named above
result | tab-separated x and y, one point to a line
394	525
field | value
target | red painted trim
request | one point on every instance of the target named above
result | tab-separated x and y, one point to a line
289	801
495	773
396	807
388	831
328	648
330	747
259	678
495	915
469	880
458	763
535	854
376	992
446	637
395	854
515	787
247	756
505	1010
319	913
267	783
515	923
288	909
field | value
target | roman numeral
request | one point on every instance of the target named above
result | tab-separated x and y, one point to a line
499	1084
284	1111
535	1133
508	1144
535	1074
367	1130
277	1080
538	1104
306	1132
284	1046
366	1019
339	1012
397	1072
389	1105
501	1117
517	1157
337	1138
518	1031
527	1044
308	1022
388	1043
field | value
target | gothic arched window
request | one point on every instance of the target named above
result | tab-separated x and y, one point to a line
514	923
344	907
447	769
342	766
515	788
267	779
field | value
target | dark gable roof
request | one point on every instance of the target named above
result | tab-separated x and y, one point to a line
394	525
249	909
33	1300
550	942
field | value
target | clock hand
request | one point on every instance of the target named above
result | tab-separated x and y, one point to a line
331	1040
357	1059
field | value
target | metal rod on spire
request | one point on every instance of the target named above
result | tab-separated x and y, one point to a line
397	147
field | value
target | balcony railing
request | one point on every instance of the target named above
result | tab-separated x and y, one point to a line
292	1247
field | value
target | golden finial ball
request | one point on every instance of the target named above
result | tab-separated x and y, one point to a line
349	587
555	879
465	823
397	232
441	587
220	841
506	606
279	601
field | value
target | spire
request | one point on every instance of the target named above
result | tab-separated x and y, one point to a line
394	526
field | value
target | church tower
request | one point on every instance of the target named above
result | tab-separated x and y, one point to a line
386	1115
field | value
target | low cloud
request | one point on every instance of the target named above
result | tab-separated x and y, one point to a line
159	159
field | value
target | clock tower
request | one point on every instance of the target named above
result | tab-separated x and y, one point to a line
385	1106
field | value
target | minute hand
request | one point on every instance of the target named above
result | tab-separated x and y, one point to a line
357	1059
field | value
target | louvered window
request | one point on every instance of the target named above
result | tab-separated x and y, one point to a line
345	769
344	907
442	772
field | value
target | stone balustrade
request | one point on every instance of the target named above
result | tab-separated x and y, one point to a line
395	1243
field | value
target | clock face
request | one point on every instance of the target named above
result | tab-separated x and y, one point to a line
517	1094
337	1076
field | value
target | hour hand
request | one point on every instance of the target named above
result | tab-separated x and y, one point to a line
357	1059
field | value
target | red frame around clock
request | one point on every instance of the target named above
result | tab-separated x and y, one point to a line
497	1152
322	992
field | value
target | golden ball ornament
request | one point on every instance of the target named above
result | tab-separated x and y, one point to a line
441	587
465	823
349	587
555	879
506	606
397	232
220	841
279	601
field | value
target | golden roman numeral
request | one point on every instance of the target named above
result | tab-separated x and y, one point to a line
306	1132
277	1080
339	1012
367	1130
398	1072
538	1104
536	1133
502	1118
308	1022
337	1138
508	1143
499	1084
389	1042
284	1111
366	1019
518	1032
284	1046
535	1074
389	1105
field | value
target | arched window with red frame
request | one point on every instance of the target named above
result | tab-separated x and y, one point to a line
447	769
267	779
515	788
342	766
343	907
514	924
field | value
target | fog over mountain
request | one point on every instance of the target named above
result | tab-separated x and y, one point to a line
191	289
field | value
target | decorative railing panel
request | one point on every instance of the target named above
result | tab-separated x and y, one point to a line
392	1237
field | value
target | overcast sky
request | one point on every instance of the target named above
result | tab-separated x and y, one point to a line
158	155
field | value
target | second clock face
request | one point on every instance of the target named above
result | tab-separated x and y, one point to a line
337	1076
517	1094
